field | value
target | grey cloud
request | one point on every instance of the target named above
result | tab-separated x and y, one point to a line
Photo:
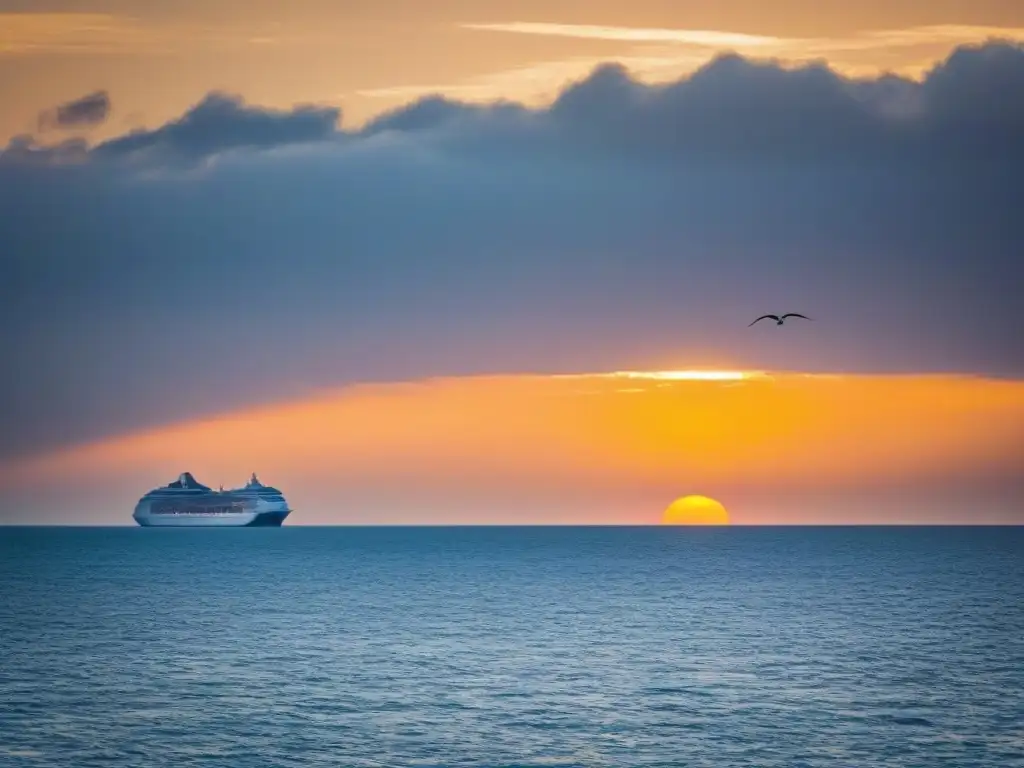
25	151
759	109
433	112
625	226
85	112
222	122
979	85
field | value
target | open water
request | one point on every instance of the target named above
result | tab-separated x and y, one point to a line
512	647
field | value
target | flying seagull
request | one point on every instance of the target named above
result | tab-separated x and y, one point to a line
779	320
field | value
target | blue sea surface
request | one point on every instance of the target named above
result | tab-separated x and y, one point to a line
512	647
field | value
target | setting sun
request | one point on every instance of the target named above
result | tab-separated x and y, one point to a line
695	510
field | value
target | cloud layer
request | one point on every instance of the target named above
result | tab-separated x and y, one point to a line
239	255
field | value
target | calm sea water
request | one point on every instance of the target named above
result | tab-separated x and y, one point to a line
512	647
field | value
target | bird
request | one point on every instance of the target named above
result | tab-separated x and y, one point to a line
779	320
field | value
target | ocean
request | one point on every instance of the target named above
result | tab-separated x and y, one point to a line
520	647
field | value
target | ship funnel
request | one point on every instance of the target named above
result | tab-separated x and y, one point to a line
187	481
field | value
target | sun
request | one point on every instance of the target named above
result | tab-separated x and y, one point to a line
695	510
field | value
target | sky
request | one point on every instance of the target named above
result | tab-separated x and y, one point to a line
387	254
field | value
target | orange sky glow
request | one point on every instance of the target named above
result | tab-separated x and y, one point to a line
159	58
439	241
609	448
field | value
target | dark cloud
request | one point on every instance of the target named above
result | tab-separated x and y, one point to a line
434	112
88	111
979	86
223	122
627	225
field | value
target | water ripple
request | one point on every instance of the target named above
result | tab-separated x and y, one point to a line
512	647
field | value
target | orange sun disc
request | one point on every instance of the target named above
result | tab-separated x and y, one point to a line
695	510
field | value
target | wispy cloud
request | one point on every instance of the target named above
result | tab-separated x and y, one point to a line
537	82
711	38
948	34
27	33
940	34
662	54
104	34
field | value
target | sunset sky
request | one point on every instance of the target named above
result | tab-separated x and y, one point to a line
391	255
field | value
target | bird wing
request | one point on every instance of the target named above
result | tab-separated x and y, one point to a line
765	317
794	314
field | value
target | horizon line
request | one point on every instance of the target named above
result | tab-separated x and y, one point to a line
533	525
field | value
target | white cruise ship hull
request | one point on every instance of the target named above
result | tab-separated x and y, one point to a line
226	520
187	503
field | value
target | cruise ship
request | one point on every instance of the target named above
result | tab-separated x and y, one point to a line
187	502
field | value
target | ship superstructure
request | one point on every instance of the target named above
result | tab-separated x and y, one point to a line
187	502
